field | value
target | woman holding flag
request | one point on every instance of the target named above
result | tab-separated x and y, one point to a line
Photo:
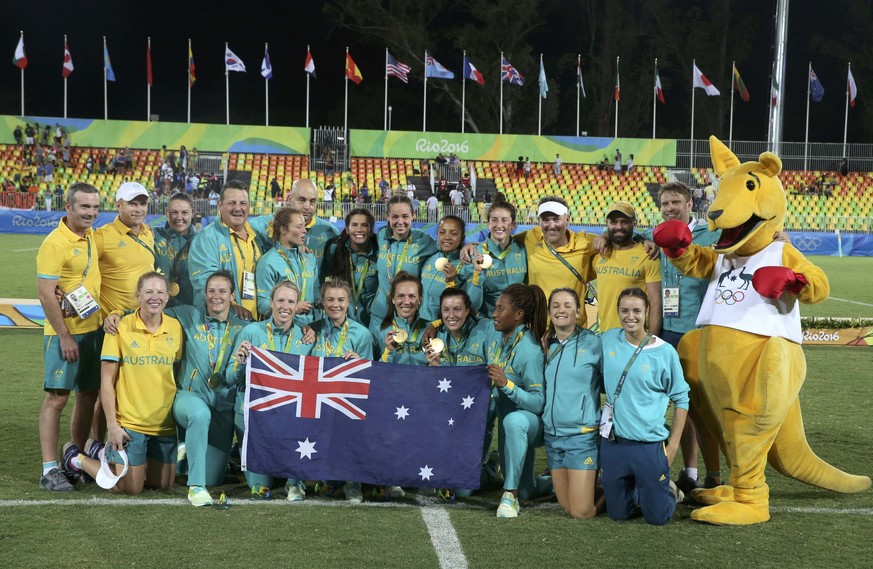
352	258
280	334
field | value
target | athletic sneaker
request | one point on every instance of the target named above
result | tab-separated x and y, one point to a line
394	492
296	492
686	483
199	496
70	451
678	495
324	489
55	481
93	448
710	482
353	493
508	507
260	493
445	495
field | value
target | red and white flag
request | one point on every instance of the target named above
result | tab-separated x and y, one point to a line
851	88
699	80
659	91
309	64
68	61
20	59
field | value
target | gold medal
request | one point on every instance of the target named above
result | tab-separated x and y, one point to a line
437	345
174	289
400	336
440	264
214	381
487	261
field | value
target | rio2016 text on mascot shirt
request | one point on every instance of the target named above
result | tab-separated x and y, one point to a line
746	365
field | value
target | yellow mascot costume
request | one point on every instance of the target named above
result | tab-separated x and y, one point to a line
747	356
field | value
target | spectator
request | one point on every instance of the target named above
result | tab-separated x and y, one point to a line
519	167
457	197
120	162
432	206
410	190
183	157
328	193
28	134
616	165
275	189
365	195
844	167
630	164
328	161
698	199
526	167
46	134
558	164
19	137
213	201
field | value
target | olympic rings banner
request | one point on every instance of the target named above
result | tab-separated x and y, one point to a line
142	134
508	147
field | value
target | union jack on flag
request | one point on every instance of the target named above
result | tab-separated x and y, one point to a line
510	73
307	383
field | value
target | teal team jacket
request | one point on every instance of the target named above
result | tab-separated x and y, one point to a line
521	358
573	384
171	259
363	272
509	267
394	256
409	352
335	341
434	282
284	264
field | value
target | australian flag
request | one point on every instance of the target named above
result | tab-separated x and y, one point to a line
316	418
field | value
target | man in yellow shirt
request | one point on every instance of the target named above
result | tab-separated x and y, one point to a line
67	260
126	248
625	264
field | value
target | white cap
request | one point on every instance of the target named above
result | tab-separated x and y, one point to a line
552	207
128	191
106	477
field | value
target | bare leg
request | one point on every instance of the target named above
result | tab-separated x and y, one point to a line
50	422
80	421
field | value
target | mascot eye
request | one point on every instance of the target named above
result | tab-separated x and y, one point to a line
750	185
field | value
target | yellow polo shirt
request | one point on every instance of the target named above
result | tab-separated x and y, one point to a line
124	257
549	273
246	254
625	268
72	261
146	386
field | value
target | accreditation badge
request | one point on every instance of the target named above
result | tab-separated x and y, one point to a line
606	422
81	302
248	285
670	301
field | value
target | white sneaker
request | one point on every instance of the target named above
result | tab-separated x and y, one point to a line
394	492
353	493
678	494
199	496
296	492
508	507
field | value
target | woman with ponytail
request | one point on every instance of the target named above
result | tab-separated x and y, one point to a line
352	258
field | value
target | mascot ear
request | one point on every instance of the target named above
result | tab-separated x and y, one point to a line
771	164
722	157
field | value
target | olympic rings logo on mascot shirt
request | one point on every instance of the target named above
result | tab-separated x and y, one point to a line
728	296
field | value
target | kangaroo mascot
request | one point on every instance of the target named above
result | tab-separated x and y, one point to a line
747	358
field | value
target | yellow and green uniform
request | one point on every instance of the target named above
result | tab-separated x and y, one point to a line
287	264
548	272
433	282
171	259
217	248
124	257
146	385
509	267
335	341
363	272
624	268
396	255
410	351
318	233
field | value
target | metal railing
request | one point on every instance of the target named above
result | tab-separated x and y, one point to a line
794	155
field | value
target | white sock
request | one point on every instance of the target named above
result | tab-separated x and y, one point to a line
691	473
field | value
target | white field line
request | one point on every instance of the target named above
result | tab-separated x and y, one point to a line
424	503
849	301
442	535
23	250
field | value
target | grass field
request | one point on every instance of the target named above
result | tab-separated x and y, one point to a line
810	527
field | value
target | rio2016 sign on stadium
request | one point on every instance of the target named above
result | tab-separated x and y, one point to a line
443	146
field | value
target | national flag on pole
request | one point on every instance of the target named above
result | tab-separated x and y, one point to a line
510	73
699	80
20	59
394	68
851	88
816	89
353	72
774	89
579	83
191	77
309	64
544	84
738	85
659	91
149	78
110	74
266	66
617	94
232	62
471	73
433	69
68	61
317	418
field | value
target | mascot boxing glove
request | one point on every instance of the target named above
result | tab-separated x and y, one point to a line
771	282
673	237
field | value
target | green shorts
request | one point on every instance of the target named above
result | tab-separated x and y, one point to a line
81	375
142	448
577	452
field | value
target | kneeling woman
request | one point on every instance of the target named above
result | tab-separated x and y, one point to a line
515	366
279	334
574	383
137	389
642	376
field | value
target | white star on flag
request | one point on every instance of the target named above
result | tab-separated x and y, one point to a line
445	385
426	473
467	402
451	422
402	413
306	449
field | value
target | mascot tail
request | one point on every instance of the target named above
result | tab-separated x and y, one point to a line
791	456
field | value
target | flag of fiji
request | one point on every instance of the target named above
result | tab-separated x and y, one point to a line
316	418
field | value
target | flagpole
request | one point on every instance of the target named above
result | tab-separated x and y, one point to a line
693	63
846	120
385	113
105	83
149	85
540	109
806	135
501	92
654	101
618	82
226	85
463	89
22	79
267	88
189	80
346	115
307	93
65	82
424	108
731	127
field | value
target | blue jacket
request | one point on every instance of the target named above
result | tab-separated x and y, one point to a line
574	383
394	256
470	349
284	264
171	258
329	340
433	282
521	358
364	277
409	352
484	288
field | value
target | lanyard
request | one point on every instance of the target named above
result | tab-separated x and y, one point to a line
561	345
302	269
342	340
219	360
627	368
560	257
146	247
183	252
504	363
500	256
402	259
243	255
273	345
358	288
458	347
88	264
